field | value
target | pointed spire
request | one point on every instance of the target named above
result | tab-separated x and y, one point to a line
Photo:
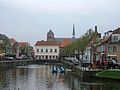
73	29
73	35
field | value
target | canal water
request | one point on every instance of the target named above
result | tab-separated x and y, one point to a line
40	77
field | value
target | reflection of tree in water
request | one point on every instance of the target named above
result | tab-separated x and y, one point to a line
4	78
93	87
76	83
111	86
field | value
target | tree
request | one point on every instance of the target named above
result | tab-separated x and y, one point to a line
79	45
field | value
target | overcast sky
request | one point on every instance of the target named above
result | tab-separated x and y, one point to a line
30	20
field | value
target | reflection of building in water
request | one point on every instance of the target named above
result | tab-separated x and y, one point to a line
4	78
14	73
44	75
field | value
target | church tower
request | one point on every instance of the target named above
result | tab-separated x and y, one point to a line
73	34
50	36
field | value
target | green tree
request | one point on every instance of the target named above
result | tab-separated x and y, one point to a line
79	45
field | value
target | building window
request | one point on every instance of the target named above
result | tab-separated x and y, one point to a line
55	50
42	56
46	56
109	49
37	50
41	50
114	49
50	50
49	57
46	50
39	57
56	57
115	38
36	56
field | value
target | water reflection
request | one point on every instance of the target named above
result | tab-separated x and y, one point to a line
39	77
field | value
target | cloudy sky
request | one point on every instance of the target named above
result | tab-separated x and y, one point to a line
30	20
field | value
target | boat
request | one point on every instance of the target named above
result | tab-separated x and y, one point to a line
62	70
54	69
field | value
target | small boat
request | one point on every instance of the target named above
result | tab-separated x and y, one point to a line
62	70
54	69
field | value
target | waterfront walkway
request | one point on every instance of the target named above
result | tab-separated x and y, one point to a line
12	63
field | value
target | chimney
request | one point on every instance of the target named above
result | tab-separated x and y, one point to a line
95	28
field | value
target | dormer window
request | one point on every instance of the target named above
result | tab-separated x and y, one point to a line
115	38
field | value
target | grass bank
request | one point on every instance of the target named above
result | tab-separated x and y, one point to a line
109	74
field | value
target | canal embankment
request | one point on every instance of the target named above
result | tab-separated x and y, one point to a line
14	63
83	72
96	74
108	75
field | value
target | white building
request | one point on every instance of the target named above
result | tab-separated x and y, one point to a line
46	50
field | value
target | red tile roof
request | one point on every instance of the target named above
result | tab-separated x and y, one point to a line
47	43
65	42
12	40
23	43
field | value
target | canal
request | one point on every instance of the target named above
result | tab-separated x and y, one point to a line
40	77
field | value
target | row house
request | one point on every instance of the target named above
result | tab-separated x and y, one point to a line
21	49
101	47
25	50
109	46
113	48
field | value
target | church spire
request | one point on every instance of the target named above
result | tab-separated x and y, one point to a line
73	35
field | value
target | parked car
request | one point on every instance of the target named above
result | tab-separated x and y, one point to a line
9	58
73	60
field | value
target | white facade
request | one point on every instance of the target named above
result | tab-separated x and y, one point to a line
46	52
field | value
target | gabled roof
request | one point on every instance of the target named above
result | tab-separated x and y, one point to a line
106	39
47	43
116	31
65	42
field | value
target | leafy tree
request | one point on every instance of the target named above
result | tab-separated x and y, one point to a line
79	45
